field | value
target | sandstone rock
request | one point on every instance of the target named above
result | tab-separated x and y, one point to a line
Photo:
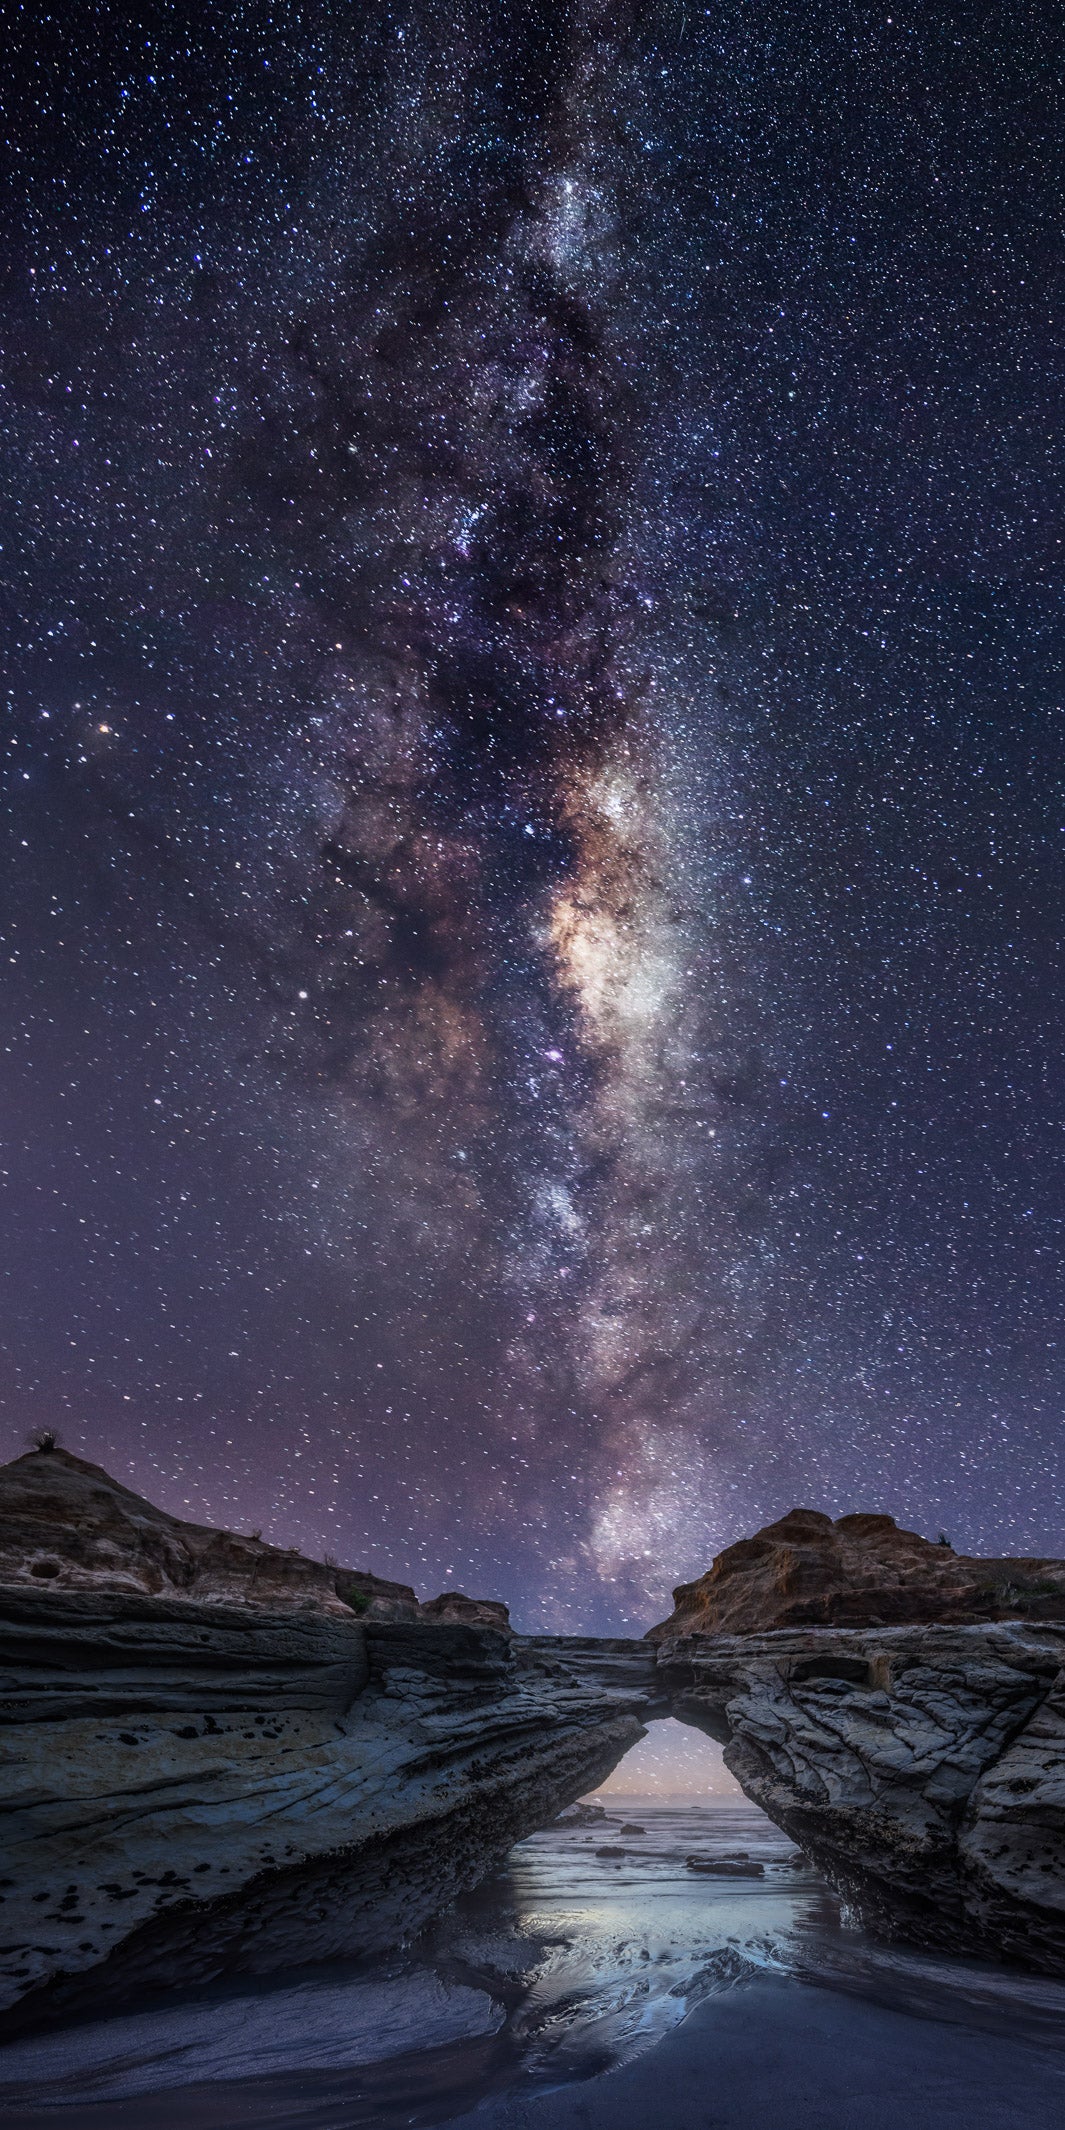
862	1571
194	1789
210	1764
373	1597
67	1525
1011	1842
452	1608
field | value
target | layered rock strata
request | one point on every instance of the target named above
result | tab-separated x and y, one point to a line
187	1790
921	1768
66	1524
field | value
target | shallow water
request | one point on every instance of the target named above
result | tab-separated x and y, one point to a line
564	1967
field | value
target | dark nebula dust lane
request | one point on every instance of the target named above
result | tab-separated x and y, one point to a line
533	818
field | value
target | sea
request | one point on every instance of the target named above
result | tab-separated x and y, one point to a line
670	1963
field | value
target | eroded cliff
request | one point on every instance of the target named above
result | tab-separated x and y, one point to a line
900	1710
861	1571
66	1524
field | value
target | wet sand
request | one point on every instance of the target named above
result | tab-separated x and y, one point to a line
782	2055
598	1983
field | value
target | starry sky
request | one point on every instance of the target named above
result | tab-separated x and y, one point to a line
533	791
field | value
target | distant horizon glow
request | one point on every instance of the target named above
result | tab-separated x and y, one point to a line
672	1761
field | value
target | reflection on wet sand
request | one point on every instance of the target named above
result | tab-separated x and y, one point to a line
593	1945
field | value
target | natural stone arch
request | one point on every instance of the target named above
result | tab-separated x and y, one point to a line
232	1788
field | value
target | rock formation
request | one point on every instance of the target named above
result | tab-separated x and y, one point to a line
373	1597
452	1608
67	1525
862	1571
899	1710
189	1789
922	1768
212	1763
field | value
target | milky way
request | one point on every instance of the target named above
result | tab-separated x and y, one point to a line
534	779
498	948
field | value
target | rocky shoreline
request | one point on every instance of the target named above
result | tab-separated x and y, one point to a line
195	1782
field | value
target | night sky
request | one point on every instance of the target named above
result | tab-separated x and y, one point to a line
534	790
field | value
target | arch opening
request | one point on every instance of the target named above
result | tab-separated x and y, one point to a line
672	1760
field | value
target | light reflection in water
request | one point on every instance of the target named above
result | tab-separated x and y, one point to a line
572	1960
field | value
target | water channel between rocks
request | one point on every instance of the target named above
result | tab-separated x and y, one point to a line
586	1952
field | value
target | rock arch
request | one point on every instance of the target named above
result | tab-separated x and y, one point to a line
195	1788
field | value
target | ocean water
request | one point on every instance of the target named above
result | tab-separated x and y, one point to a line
587	1953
